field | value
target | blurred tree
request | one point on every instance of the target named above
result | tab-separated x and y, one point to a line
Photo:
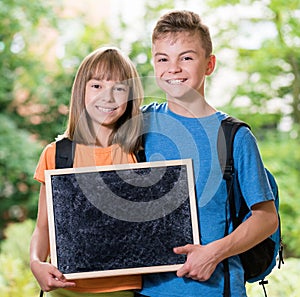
16	278
282	158
265	40
18	156
261	43
19	22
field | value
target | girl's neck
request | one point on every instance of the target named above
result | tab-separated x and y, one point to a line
103	136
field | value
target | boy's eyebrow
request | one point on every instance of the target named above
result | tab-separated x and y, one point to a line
160	54
180	54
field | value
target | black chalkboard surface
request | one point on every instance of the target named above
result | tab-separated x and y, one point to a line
121	219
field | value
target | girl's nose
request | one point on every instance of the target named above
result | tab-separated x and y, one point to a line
108	95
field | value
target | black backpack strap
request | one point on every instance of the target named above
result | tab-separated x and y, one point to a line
65	149
64	154
140	156
227	131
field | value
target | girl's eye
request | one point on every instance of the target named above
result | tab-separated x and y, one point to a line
96	86
120	88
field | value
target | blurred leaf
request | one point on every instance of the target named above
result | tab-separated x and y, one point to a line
16	278
18	158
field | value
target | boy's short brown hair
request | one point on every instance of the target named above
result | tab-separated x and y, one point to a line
183	21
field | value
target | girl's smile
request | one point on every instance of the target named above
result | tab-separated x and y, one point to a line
106	110
105	100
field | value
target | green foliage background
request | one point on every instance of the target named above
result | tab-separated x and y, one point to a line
35	89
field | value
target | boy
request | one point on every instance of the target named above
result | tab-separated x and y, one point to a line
187	127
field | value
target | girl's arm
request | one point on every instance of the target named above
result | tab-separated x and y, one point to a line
48	276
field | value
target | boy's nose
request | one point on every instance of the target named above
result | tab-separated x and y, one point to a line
174	67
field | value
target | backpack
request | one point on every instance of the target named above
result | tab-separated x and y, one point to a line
259	261
65	149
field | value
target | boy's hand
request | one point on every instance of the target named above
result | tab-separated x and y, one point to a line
200	264
49	277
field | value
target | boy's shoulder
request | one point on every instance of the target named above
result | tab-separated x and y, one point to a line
155	107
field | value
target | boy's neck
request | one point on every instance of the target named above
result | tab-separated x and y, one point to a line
192	109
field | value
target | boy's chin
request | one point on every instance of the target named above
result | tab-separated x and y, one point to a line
181	96
177	92
176	98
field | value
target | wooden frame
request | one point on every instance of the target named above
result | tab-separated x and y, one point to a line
120	219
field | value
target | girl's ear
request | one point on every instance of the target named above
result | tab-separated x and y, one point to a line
210	64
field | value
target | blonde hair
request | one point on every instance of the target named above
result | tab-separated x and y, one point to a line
183	21
107	63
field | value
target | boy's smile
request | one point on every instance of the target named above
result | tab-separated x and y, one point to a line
175	81
181	65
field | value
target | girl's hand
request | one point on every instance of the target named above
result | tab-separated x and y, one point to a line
49	277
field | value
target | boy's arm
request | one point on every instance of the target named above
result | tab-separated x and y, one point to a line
48	276
203	259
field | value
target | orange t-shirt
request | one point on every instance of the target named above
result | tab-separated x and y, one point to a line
93	156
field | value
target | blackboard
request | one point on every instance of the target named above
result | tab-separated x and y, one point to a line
120	219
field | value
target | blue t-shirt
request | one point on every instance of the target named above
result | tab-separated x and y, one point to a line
169	136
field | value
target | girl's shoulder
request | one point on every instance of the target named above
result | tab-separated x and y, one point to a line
47	157
50	149
46	162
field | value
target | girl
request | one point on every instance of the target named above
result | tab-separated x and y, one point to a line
105	123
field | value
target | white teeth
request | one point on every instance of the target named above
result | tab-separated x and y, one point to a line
106	109
175	81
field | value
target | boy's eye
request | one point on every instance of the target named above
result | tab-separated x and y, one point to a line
186	58
161	59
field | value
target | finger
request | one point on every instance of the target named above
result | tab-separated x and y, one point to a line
183	271
56	283
60	280
57	274
68	284
182	249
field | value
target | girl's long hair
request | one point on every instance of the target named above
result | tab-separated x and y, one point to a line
107	63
